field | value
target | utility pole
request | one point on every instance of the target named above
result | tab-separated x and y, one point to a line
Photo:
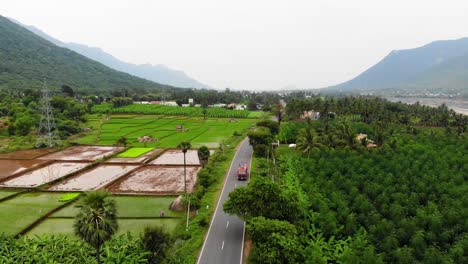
47	132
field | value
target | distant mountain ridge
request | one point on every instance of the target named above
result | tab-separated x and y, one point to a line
157	73
440	67
26	59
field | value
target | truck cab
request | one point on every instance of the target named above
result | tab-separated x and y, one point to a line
243	172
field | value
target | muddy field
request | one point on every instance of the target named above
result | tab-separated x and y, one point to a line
90	153
94	178
44	175
157	180
176	157
142	159
26	153
10	167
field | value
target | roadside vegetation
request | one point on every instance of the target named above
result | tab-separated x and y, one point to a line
395	196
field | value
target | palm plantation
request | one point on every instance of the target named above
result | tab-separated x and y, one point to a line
96	221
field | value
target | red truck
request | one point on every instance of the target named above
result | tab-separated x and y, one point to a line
243	172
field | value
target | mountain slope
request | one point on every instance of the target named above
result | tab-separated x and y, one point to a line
26	59
157	73
439	67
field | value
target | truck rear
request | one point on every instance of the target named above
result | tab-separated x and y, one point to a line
243	172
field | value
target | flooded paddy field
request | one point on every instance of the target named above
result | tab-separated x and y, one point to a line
176	157
44	174
10	167
157	180
89	153
141	159
94	178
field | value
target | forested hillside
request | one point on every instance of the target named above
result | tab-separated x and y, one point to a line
157	73
396	195
27	59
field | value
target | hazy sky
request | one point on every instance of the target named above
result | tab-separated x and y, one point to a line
254	44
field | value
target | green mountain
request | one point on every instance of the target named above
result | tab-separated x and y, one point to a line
27	59
436	69
157	73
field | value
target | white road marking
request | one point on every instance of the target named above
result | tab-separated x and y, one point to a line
222	246
219	201
227	224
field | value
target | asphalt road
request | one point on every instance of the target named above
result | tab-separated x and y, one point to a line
225	240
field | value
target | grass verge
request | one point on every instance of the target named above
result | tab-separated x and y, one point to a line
191	242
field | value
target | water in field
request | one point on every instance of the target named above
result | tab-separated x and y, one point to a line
458	105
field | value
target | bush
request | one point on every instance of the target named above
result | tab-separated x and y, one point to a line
260	150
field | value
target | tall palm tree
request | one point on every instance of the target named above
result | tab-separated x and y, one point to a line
96	221
307	140
184	146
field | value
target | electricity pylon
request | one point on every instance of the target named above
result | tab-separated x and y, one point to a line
47	132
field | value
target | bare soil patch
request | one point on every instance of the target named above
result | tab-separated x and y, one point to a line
90	153
44	175
142	159
157	180
10	167
26	153
94	178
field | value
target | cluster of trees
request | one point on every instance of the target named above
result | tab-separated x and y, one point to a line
375	109
410	198
334	200
21	114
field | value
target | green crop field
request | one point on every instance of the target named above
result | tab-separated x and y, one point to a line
134	213
5	193
134	152
21	211
64	226
174	110
163	129
133	206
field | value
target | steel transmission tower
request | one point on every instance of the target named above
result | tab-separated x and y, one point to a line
47	133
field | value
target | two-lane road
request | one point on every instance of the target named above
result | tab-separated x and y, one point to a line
225	239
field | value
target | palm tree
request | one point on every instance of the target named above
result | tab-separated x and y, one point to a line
184	146
203	155
156	240
307	140
96	221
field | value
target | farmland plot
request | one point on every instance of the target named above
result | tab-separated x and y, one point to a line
89	153
21	211
156	180
44	175
93	179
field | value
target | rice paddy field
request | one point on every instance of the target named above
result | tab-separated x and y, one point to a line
134	213
168	131
143	179
24	209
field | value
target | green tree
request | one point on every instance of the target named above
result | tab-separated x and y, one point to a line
308	140
262	197
158	241
96	221
203	155
184	146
